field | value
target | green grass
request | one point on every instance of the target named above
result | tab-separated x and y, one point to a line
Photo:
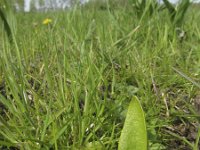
67	85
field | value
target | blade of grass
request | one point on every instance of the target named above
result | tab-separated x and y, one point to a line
186	77
196	146
181	138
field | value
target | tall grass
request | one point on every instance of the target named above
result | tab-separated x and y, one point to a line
67	84
177	13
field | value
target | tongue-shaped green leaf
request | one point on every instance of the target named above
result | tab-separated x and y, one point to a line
134	135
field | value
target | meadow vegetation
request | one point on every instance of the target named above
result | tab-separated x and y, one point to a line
67	83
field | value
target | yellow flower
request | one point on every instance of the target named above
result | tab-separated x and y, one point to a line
47	21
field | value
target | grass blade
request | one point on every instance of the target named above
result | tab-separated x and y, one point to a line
8	19
186	77
196	147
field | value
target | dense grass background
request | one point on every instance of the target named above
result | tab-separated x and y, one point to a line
67	84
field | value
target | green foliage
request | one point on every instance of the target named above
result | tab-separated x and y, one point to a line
8	18
134	134
147	8
194	146
67	84
177	13
144	7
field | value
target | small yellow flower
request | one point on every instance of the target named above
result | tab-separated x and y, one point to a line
47	21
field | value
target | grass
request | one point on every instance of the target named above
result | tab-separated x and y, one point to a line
67	85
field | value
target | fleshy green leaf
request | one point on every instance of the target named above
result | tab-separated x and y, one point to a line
134	135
